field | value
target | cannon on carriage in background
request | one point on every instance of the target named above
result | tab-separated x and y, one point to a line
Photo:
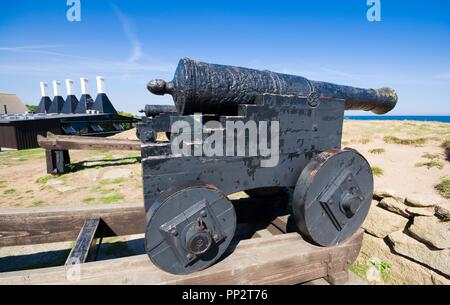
189	219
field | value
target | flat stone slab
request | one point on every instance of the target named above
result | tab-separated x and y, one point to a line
393	205
426	211
431	230
414	249
386	193
117	173
381	223
422	200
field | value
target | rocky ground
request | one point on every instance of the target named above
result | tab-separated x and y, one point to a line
408	159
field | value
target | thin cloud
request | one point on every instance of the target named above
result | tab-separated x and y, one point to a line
28	48
136	46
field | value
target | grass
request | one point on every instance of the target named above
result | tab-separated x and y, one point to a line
376	171
444	188
359	269
44	179
2	183
9	191
377	151
99	189
395	140
89	200
112	181
364	140
112	198
432	161
430	164
22	155
446	144
36	203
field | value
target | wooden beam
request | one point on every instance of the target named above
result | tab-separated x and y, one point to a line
46	225
56	142
85	243
280	259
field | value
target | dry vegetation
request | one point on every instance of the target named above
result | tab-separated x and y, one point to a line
406	156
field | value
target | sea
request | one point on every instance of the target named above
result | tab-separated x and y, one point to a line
424	118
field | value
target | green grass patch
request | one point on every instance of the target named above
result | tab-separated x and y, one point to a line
364	140
377	171
112	198
36	204
89	200
28	191
377	151
44	179
9	191
360	269
112	181
433	162
430	156
395	140
430	164
444	188
22	155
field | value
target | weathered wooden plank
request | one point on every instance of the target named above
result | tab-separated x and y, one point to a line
57	142
85	243
280	259
45	225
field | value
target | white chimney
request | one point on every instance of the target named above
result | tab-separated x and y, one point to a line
69	86
44	86
56	86
100	84
84	85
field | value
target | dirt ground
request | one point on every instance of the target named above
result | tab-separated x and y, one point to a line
102	177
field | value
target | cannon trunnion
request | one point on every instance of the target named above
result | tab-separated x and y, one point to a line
189	220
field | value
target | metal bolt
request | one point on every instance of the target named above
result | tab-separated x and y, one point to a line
330	201
189	256
349	179
216	237
203	213
174	232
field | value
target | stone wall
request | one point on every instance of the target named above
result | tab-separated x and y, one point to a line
406	241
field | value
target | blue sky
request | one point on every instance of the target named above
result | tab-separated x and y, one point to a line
130	42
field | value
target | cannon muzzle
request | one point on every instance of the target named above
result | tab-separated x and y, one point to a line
211	88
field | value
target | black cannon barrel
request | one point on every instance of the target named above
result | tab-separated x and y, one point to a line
152	110
203	87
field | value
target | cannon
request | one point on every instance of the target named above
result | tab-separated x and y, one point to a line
236	129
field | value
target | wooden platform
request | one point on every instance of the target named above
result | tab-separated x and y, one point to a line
280	259
262	252
57	148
